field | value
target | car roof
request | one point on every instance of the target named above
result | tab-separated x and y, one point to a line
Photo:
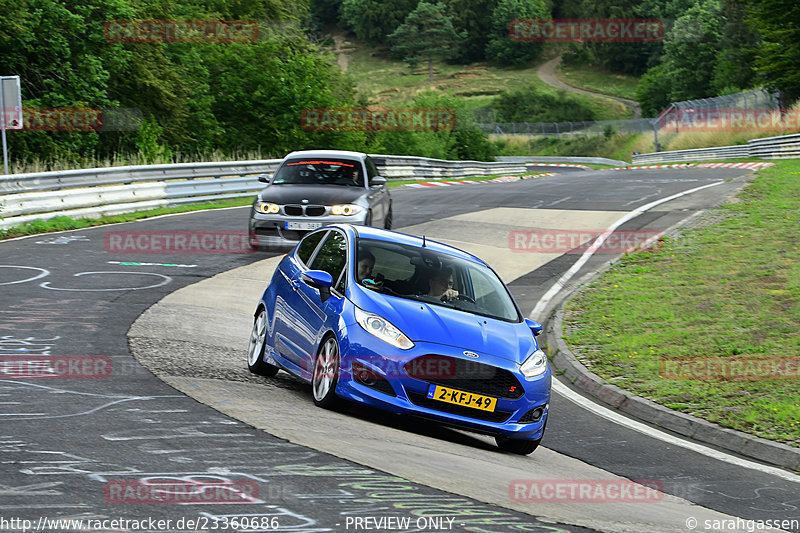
379	234
327	153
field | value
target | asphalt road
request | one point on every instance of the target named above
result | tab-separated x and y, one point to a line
86	435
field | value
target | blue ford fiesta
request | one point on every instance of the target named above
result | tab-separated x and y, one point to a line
408	326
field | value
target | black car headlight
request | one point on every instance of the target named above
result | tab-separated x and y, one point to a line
267	208
534	365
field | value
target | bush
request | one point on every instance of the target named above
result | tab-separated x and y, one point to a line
528	104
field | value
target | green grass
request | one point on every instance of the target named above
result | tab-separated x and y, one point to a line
598	80
729	289
386	82
65	223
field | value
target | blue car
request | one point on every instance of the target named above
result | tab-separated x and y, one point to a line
407	325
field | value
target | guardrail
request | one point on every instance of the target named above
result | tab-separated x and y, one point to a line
699	154
566	159
782	147
107	191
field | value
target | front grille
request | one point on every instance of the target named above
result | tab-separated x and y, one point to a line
293	210
315	210
368	378
469	376
423	401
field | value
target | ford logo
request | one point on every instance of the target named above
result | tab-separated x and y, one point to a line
471	354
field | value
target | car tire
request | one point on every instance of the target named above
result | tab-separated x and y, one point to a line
387	221
368	219
519	446
258	343
325	375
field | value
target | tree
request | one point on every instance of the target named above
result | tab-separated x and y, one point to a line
778	59
428	34
373	20
735	68
501	48
473	18
691	50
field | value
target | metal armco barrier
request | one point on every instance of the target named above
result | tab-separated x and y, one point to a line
107	191
783	147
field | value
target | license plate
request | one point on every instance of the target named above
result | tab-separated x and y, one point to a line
457	397
303	225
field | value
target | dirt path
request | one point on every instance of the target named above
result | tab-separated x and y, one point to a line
341	48
547	73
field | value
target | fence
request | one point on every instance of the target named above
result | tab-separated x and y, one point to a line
567	129
109	191
755	99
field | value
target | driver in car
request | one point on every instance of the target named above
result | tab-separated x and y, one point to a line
366	262
440	285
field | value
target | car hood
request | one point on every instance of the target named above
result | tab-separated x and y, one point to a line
423	322
315	194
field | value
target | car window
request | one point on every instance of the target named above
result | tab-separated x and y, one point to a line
421	274
332	256
308	245
320	171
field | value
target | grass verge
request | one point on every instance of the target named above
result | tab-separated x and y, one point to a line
598	80
723	292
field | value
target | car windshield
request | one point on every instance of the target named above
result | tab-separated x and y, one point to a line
419	274
320	171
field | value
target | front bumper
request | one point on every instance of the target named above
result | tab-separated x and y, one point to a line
398	392
270	232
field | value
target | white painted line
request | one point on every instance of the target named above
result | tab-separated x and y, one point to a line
542	304
615	417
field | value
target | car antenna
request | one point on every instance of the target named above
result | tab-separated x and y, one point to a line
423	240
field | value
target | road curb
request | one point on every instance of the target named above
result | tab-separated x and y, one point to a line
568	367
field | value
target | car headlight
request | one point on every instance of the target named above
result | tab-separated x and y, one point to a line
535	365
267	208
379	327
345	209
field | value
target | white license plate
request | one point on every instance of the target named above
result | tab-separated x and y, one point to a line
303	225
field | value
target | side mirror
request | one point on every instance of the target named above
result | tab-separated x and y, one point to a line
378	181
536	328
319	279
265	178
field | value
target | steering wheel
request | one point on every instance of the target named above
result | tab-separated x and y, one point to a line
465	298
